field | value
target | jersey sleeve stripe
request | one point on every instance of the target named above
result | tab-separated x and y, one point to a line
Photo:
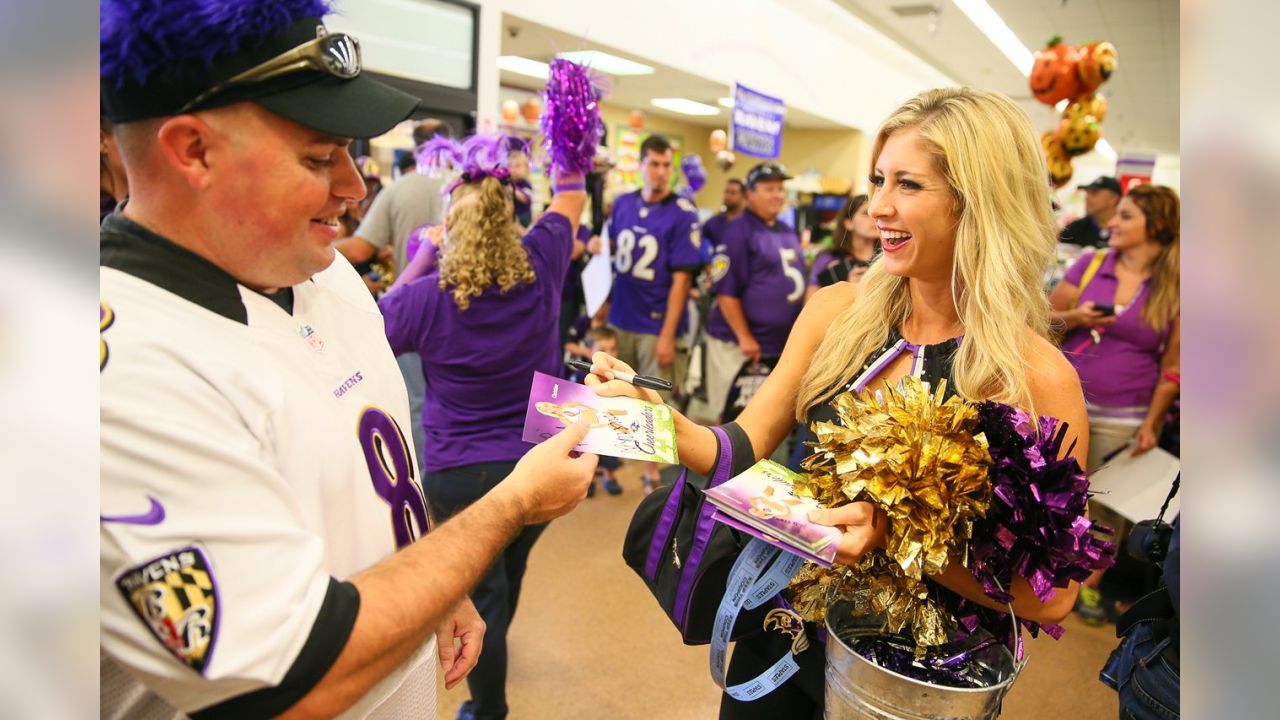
328	636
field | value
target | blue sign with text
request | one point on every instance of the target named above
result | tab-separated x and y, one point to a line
757	123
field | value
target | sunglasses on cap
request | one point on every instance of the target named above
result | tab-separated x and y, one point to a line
336	54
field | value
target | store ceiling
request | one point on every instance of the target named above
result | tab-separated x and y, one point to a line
1143	95
536	42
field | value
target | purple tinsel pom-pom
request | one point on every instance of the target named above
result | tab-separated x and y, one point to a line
1036	528
571	123
437	154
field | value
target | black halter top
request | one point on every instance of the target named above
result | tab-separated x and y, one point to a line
933	363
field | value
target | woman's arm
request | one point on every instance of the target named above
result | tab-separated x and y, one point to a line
569	199
1066	318
1165	393
1055	389
770	415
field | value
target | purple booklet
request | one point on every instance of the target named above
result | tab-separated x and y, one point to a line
620	427
761	503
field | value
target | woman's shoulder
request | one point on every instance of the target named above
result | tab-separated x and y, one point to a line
1049	375
830	301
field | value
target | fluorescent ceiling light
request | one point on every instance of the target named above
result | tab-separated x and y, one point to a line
606	63
725	102
1104	149
524	66
992	25
685	106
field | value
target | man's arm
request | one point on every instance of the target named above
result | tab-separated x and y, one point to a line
405	598
731	308
677	298
355	249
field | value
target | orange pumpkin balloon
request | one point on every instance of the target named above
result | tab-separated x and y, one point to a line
1078	135
1054	77
530	110
1097	61
636	121
1059	164
718	140
510	111
1087	104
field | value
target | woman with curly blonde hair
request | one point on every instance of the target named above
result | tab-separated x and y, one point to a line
483	321
961	202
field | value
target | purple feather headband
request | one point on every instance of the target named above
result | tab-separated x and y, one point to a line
484	156
139	38
437	154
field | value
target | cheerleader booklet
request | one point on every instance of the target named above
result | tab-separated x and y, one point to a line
620	427
760	502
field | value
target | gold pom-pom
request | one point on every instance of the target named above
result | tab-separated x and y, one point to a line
920	459
915	455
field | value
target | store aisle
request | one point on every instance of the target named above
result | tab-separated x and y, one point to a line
589	642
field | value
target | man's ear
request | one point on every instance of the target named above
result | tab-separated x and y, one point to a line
184	143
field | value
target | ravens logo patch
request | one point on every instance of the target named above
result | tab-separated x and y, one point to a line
175	596
685	205
719	267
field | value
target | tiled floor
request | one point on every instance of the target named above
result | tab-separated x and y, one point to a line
589	642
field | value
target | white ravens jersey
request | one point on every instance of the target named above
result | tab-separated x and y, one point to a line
255	455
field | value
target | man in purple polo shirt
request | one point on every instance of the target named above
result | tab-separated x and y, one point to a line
657	246
759	282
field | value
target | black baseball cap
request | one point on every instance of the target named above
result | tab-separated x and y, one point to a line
342	100
766	171
1104	182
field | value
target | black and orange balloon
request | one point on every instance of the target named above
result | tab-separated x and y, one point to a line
1097	61
1079	134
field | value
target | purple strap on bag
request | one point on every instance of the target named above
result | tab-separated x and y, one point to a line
705	526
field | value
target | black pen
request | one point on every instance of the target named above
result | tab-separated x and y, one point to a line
644	381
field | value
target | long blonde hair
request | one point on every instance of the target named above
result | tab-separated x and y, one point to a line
985	146
482	246
1160	205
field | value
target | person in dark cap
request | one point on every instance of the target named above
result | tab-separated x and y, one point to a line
256	480
1101	197
758	279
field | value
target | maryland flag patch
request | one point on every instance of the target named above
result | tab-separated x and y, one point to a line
176	598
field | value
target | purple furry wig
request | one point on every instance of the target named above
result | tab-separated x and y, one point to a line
140	38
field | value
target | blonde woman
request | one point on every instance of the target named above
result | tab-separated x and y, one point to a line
962	208
483	322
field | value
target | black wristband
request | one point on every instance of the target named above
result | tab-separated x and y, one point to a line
743	454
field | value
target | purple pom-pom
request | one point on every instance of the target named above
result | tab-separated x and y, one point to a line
437	154
571	123
1036	527
138	38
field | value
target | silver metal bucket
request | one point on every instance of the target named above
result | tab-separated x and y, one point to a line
859	689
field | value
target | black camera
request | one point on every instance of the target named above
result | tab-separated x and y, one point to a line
1149	541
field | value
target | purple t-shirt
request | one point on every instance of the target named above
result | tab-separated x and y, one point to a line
650	241
821	262
764	266
1123	369
712	231
479	364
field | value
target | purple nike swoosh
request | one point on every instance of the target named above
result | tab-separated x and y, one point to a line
154	516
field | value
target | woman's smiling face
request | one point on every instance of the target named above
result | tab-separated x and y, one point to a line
914	210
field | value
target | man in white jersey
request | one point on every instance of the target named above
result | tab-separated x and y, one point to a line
256	476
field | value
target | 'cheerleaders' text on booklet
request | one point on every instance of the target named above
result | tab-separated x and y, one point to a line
761	503
619	426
